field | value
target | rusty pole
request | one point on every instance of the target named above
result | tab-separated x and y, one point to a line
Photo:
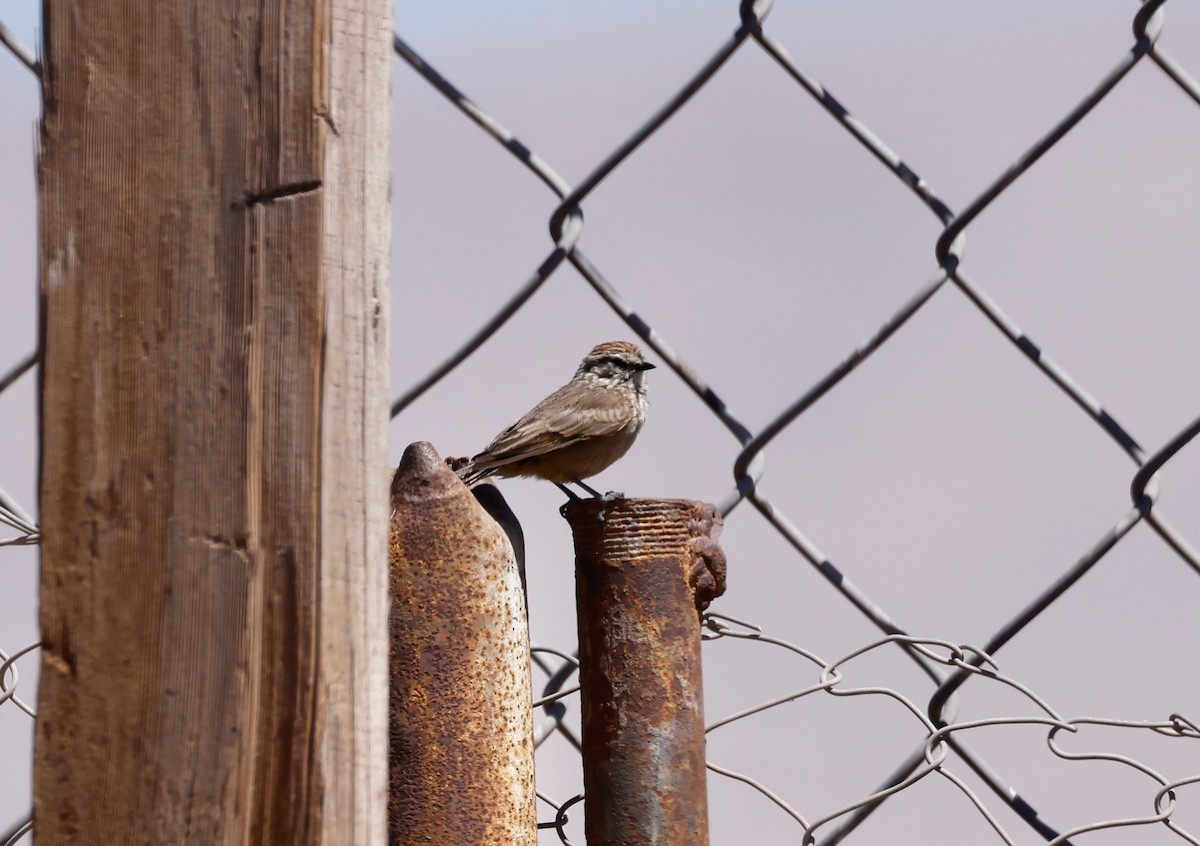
644	569
461	741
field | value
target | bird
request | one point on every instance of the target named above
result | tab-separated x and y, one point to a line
578	430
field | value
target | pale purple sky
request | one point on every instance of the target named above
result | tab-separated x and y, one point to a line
947	477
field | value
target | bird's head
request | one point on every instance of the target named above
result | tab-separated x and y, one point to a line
615	362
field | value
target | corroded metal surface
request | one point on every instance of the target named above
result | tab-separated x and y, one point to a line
461	730
643	569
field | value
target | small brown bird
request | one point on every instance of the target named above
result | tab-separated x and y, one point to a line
578	430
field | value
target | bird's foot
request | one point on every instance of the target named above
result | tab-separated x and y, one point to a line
595	493
605	497
571	497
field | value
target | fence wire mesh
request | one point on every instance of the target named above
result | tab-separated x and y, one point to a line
939	742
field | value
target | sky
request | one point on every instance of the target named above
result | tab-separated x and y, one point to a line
946	476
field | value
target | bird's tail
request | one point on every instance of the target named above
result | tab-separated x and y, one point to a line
468	471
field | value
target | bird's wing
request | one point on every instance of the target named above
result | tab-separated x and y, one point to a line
569	415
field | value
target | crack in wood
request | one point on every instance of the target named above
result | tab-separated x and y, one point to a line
293	189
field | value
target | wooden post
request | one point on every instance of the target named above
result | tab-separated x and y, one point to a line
214	267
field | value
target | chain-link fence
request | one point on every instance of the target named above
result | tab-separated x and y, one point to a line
940	721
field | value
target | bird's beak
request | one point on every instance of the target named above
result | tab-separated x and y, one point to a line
645	365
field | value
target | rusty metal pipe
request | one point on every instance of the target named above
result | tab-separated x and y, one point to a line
461	721
644	570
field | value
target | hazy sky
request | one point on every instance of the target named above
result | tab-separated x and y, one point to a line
947	476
